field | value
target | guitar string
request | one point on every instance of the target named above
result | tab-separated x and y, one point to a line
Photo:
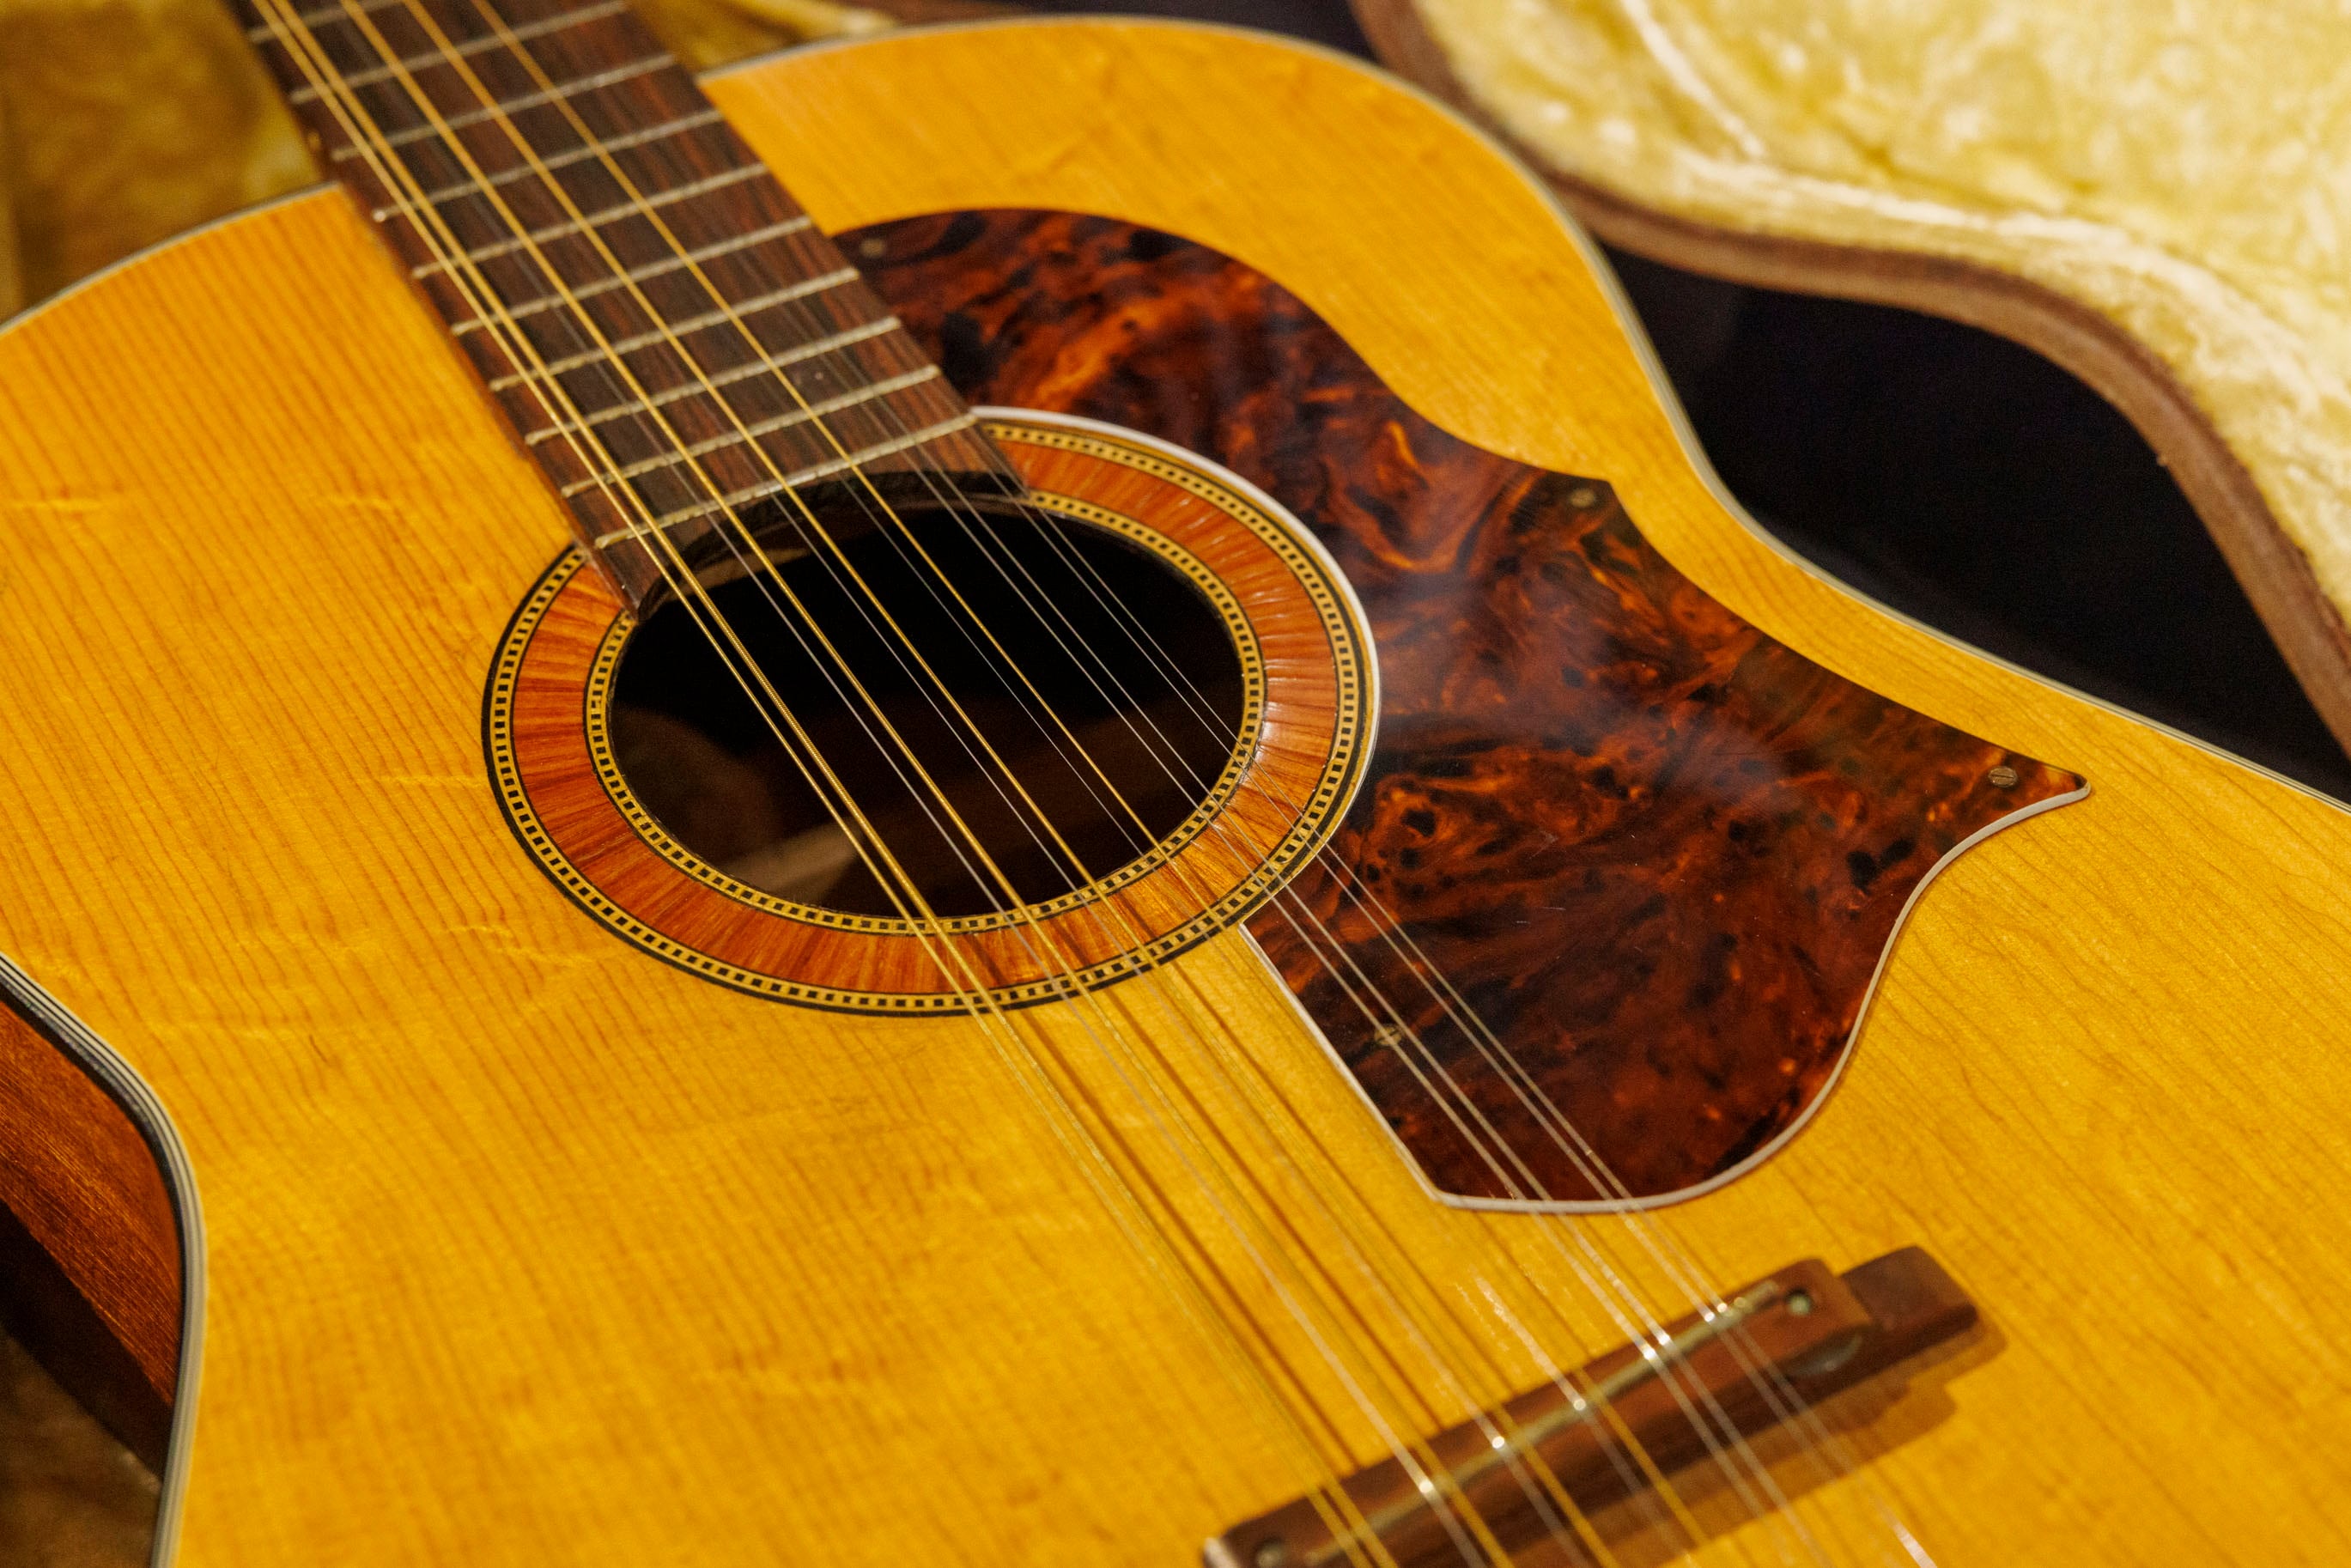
1171	1009
1785	1401
1783	1397
778	736
1204	1311
1280	904
1596	1182
1257	974
1082	873
715	294
720	299
887	407
1398	1023
1136	837
801	617
1186	1020
890	412
878	497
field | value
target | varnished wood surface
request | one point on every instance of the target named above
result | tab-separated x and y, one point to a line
88	1244
2276	576
524	1248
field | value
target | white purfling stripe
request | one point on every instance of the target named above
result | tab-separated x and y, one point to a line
767	488
763	427
592	148
523	34
670	329
639	275
810	350
570	226
474	117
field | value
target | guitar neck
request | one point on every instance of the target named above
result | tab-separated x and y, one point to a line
674	340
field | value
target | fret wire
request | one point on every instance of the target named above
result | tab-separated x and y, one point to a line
408	204
668	329
685	192
470	117
766	427
522	33
712	382
738	313
767	488
652	270
589	148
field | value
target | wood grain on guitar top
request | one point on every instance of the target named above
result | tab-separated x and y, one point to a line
522	1246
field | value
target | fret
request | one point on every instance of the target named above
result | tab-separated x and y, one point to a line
568	227
668	318
763	427
735	499
645	274
765	364
515	32
593	148
670	330
446	123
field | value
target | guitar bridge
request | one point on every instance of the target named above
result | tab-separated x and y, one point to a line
1595	1435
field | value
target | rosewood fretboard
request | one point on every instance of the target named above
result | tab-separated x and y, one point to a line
673	340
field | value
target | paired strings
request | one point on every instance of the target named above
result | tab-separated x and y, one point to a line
1660	1243
1485	1541
1470	1533
1159	1249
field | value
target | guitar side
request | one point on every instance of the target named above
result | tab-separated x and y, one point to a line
696	1294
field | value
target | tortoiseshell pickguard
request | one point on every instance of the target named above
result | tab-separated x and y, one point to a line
1655	853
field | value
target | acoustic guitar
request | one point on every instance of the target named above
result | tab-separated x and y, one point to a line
1092	845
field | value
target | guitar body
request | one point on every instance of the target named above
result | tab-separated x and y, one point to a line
519	1246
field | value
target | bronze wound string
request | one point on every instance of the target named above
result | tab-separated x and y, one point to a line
1159	1252
811	782
877	499
795	497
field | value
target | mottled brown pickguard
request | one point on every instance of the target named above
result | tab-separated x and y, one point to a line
1655	853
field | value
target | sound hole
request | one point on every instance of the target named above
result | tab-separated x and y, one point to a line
1076	713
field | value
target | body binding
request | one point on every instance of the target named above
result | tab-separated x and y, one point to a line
521	1247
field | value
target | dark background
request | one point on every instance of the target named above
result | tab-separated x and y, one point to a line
1951	475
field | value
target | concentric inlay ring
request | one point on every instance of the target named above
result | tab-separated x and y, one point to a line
1308	683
